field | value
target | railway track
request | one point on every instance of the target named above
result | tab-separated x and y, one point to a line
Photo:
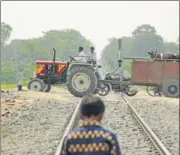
135	136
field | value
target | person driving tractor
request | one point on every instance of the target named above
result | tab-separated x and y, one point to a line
82	56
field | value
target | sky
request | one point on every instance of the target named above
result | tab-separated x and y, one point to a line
96	20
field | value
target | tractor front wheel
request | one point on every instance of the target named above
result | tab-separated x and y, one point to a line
81	81
36	85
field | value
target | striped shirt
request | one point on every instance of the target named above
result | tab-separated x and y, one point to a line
91	139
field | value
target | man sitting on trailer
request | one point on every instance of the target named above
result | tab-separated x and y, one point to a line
121	72
121	75
118	73
91	137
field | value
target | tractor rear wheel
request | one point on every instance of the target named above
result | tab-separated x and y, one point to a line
36	84
81	81
170	88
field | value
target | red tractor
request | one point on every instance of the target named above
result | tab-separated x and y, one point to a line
80	78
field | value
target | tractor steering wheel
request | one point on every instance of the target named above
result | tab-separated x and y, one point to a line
72	58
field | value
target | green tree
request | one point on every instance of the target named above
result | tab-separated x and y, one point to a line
146	39
127	46
22	54
171	47
5	32
110	54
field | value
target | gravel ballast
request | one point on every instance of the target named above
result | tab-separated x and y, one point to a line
132	138
163	118
36	129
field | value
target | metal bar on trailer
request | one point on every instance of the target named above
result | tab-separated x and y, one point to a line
115	82
145	58
144	84
127	83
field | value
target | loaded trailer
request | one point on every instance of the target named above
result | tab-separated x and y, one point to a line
160	74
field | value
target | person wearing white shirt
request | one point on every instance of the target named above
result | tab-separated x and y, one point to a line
93	58
93	54
82	56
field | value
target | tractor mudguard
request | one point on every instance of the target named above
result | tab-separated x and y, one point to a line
75	65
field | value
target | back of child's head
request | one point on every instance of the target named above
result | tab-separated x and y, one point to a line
92	106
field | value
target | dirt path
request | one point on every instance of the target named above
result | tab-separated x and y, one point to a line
14	100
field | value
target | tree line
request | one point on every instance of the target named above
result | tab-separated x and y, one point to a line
20	55
144	39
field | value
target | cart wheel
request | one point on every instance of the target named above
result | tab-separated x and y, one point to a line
130	91
103	89
152	91
170	88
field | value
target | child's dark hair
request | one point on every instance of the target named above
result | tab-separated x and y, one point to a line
92	106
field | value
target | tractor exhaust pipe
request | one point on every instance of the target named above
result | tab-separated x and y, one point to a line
54	59
54	55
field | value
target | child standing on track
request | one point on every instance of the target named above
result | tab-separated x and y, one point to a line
91	138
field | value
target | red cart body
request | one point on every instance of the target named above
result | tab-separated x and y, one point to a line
154	72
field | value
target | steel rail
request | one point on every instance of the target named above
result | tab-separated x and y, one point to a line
68	128
155	140
152	136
